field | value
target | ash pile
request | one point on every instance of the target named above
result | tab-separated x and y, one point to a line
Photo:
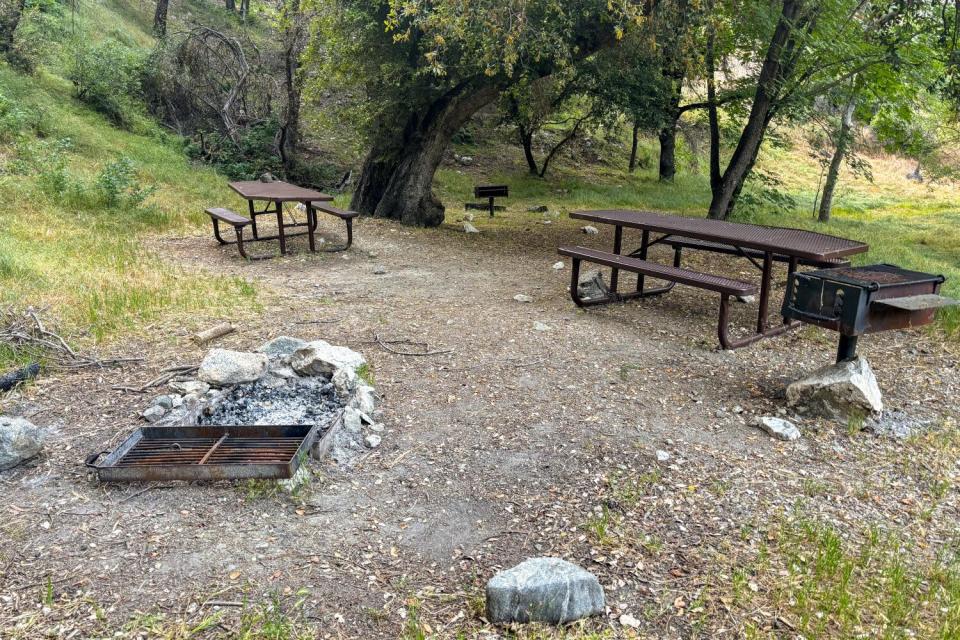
286	381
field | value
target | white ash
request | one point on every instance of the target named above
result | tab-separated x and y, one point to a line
300	401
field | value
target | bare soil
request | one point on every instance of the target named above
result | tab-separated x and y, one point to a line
512	445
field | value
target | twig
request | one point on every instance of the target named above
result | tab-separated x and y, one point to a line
167	375
330	321
385	344
143	491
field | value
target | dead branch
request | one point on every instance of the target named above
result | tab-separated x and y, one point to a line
385	344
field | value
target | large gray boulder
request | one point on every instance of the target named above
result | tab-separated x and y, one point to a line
838	391
20	440
543	590
322	358
221	368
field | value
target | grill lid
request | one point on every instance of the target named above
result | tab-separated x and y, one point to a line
875	276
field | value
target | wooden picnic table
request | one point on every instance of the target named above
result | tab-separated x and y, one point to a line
762	245
277	193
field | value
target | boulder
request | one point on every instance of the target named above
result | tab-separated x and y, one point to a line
345	380
543	590
593	286
322	358
779	428
20	440
221	368
838	391
282	347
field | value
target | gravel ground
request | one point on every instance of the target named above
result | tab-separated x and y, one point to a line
521	441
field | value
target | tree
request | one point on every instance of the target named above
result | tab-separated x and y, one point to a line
292	26
435	65
841	145
160	18
11	11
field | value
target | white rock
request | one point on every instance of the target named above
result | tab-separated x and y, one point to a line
838	391
379	270
20	440
322	358
186	387
153	413
351	420
281	347
221	367
543	590
522	297
469	228
558	265
662	456
539	326
779	428
628	620
364	398
590	230
345	380
372	441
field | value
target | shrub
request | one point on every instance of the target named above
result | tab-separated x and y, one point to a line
118	185
107	77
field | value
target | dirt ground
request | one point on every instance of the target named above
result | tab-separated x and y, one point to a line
512	445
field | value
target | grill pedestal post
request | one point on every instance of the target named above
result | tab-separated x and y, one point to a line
847	349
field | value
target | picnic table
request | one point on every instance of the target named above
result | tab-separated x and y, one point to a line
761	245
274	194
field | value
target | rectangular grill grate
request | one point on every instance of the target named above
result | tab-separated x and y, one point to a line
207	453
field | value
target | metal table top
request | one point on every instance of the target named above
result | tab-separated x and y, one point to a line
277	191
779	240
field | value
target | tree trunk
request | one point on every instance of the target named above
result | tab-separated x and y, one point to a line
778	65
712	116
397	177
9	21
231	5
634	144
290	139
160	18
244	9
526	141
668	132
843	138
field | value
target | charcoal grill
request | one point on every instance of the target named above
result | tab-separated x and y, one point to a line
859	300
206	453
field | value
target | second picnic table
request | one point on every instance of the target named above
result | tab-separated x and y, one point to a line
760	244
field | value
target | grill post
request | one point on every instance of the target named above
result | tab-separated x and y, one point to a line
847	349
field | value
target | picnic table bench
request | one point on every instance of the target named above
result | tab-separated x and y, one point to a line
761	245
275	193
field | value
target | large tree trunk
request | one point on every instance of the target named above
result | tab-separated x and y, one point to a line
10	13
231	5
160	18
397	177
526	141
712	116
843	138
634	144
668	132
777	66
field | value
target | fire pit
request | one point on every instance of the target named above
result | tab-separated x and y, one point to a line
859	300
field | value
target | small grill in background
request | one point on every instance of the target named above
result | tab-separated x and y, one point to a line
206	453
859	300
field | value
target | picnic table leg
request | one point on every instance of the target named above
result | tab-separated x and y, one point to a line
280	233
253	219
615	273
765	284
644	245
311	225
791	268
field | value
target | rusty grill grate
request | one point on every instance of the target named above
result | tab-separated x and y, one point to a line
207	453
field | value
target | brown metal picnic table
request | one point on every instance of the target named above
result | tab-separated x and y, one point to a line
276	193
754	242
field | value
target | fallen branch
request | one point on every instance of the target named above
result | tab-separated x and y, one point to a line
207	335
165	376
385	344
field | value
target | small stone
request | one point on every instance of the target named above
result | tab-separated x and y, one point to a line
351	420
540	208
372	441
468	217
662	456
286	372
746	299
364	398
627	620
322	358
737	409
377	427
593	286
558	265
548	590
163	401
186	387
281	347
469	228
153	413
345	380
779	428
20	440
379	270
539	326
838	391
522	297
590	230
222	368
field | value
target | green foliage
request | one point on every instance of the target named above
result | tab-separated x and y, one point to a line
119	185
107	78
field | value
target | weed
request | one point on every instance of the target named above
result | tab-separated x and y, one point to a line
259	489
365	373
